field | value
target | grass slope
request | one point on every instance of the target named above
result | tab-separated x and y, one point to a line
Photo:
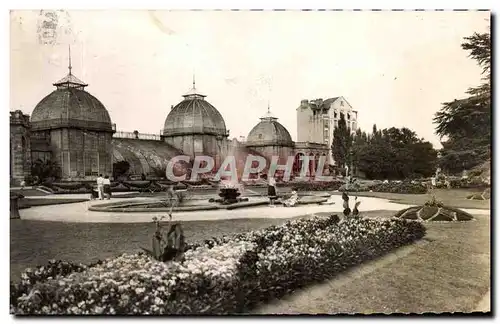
36	242
450	272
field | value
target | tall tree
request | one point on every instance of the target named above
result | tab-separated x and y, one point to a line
342	144
466	123
393	154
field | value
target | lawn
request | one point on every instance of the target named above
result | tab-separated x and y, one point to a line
36	242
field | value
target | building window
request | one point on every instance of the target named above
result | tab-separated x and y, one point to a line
75	139
102	141
103	162
342	103
260	136
348	116
73	158
42	156
95	165
91	141
65	164
334	114
91	164
198	145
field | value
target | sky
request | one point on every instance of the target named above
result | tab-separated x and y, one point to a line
395	68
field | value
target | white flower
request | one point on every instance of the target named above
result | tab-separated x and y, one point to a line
98	309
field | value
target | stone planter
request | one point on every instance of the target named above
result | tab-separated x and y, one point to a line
14	206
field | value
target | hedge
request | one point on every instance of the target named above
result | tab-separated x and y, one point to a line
125	186
400	187
226	275
314	185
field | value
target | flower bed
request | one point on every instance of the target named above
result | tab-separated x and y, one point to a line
225	275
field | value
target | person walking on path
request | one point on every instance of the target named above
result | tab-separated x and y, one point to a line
106	186
100	184
447	183
271	191
433	182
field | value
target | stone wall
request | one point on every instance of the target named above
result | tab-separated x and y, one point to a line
20	147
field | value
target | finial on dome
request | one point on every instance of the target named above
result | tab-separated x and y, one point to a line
269	116
69	59
70	81
193	93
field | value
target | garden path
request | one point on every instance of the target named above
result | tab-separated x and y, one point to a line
78	212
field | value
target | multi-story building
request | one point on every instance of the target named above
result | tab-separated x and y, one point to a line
316	120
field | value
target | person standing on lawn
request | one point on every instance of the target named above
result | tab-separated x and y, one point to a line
100	184
271	191
106	187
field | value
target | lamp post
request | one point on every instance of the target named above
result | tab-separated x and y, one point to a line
218	140
352	151
349	166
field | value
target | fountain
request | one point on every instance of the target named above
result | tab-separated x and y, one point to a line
229	193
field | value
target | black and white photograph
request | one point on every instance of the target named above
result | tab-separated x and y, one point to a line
249	162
